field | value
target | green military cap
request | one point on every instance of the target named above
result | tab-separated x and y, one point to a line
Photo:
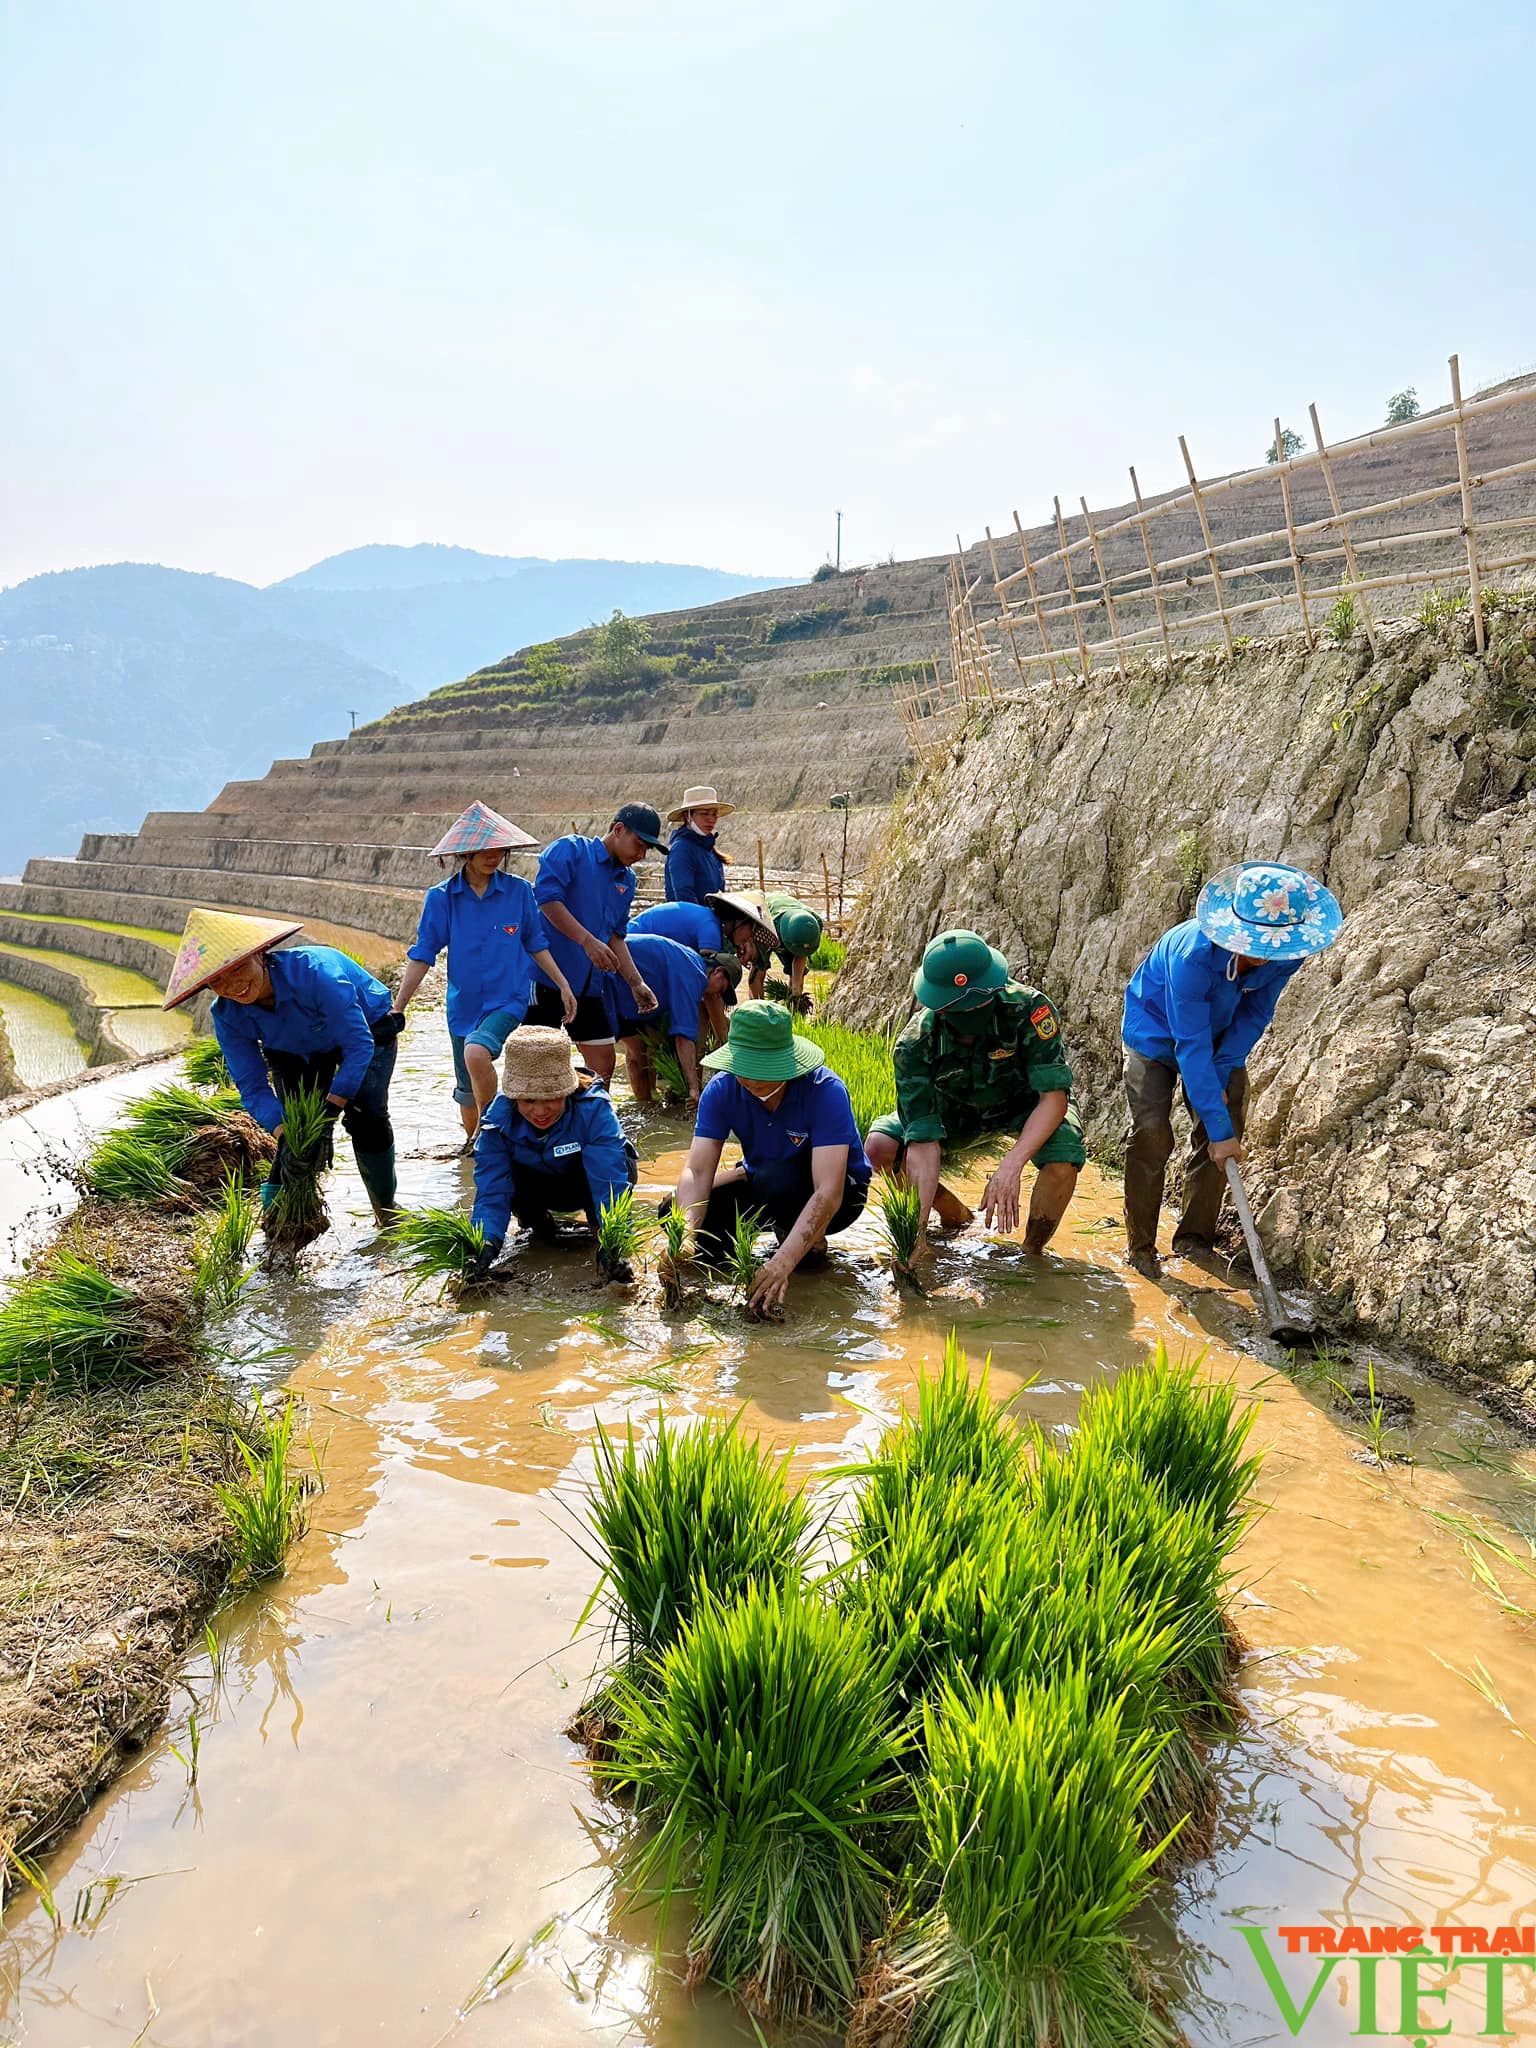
798	926
960	971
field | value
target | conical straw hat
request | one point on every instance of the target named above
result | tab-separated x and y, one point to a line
480	830
214	940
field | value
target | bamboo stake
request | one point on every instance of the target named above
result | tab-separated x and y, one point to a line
1006	615
826	887
1034	593
762	876
1077	624
1344	533
1283	464
1474	584
1205	528
1109	602
1146	541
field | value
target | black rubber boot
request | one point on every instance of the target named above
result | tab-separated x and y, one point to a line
377	1173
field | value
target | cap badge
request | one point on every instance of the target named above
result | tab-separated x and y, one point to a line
961	980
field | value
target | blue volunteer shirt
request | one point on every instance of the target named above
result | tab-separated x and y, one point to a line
1187	1006
322	1002
689	923
490	940
595	888
813	1110
676	977
694	869
508	1144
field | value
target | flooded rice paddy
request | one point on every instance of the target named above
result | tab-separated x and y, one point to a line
384	1802
42	1038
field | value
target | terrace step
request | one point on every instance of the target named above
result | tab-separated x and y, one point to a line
122	894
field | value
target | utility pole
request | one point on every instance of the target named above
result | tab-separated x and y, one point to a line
839	563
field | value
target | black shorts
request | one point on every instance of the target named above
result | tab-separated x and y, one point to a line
592	1025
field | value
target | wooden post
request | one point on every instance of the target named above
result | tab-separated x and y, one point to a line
1066	563
762	877
1109	602
1002	598
1029	570
1146	541
1474	580
1344	532
1210	552
826	889
1284	463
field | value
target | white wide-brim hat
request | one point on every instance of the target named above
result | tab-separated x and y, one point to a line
701	799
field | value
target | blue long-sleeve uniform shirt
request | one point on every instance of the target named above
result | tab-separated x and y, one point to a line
507	1143
691	924
322	1002
675	975
694	869
595	888
1187	1006
490	941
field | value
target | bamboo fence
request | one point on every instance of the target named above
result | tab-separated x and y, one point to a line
1164	573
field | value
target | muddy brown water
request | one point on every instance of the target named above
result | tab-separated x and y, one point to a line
385	1804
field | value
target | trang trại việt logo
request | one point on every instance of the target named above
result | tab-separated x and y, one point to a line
1396	1973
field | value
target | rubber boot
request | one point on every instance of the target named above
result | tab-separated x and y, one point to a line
377	1171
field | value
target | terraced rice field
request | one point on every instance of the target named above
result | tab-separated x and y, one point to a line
42	1038
97	924
117	987
152	1030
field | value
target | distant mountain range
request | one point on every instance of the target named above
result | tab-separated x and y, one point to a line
134	688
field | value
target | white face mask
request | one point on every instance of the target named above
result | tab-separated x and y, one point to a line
1231	967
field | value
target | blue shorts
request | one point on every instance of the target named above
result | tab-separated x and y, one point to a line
493	1031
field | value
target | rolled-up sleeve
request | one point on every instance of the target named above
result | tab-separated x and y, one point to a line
917	1097
247	1067
431	928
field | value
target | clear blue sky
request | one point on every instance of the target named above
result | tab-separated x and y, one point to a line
672	279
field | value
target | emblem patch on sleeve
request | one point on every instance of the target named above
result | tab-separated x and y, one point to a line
1044	1021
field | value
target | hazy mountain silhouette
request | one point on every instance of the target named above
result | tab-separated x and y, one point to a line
132	688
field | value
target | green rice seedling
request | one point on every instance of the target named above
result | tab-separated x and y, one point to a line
1030	1862
297	1213
864	1060
126	1167
188	1757
223	1240
958	1432
199	1136
901	1210
621	1235
743	1264
765	1759
829	955
436	1244
204	1064
674	1249
702	1509
69	1321
671	1081
1186	1435
265	1510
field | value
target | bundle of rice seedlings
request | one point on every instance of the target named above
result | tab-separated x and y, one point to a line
126	1167
674	1249
765	1757
743	1264
222	1242
204	1064
70	1321
958	1432
703	1509
901	1210
297	1213
436	1244
671	1081
266	1511
200	1137
863	1060
1186	1435
1029	1865
621	1235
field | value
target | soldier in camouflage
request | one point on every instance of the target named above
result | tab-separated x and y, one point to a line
982	1055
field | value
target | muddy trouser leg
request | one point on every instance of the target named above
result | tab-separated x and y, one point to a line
780	1189
1149	1086
1205	1183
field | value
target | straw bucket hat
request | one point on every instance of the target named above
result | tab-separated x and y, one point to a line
480	830
214	940
700	798
539	1063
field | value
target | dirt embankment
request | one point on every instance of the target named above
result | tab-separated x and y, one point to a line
1396	1090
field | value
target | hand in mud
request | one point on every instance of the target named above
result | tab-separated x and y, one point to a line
770	1287
618	1272
484	1260
1000	1197
1223	1149
645	998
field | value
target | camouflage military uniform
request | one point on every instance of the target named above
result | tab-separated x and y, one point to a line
957	1088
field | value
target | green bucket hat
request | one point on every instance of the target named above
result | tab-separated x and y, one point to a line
764	1046
960	971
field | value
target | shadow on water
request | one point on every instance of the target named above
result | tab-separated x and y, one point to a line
386	1804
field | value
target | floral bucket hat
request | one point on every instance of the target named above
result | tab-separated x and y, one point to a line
1268	911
